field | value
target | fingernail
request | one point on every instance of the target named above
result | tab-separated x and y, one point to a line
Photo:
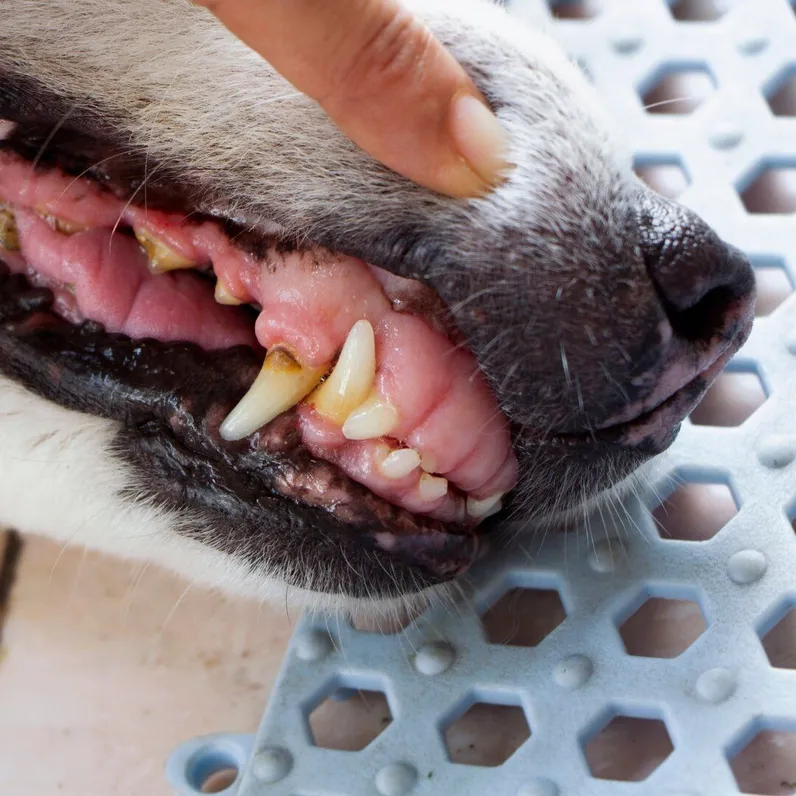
479	137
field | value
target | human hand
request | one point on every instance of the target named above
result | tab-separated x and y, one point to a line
384	80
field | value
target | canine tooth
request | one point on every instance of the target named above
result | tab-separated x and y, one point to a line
399	463
479	509
162	258
9	237
223	296
432	487
351	381
372	419
281	383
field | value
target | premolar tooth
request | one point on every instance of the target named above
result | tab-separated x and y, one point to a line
432	487
399	463
223	295
374	418
161	257
351	381
281	383
9	237
62	225
480	509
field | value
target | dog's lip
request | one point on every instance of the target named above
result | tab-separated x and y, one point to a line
655	428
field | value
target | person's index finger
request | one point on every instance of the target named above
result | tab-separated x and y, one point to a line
384	79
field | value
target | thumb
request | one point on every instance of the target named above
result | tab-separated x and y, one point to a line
384	80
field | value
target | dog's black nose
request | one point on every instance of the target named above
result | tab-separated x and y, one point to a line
698	276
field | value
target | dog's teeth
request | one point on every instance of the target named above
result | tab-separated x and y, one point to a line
351	381
432	487
9	237
161	257
62	225
400	463
281	383
480	509
372	419
223	295
428	462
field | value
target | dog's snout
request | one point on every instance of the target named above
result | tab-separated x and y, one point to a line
699	278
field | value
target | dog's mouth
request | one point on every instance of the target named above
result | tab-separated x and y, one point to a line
300	374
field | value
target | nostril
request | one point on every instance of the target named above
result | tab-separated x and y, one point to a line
700	279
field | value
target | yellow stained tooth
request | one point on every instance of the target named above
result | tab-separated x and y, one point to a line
485	507
351	381
281	384
399	463
223	296
374	418
162	258
432	487
62	225
9	237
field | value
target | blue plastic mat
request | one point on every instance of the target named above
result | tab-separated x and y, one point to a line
719	78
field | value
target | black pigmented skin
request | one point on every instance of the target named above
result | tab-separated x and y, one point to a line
169	400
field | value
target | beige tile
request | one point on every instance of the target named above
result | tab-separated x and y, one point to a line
107	666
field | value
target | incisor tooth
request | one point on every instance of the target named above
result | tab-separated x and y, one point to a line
161	257
9	237
281	383
400	463
485	507
432	487
372	419
351	381
223	296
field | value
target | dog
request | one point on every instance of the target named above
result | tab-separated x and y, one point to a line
173	210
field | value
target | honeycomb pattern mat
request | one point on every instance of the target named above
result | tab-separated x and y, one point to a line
706	91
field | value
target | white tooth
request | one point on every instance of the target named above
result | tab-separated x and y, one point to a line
372	419
484	508
428	462
9	237
432	487
400	463
281	383
223	295
351	381
162	257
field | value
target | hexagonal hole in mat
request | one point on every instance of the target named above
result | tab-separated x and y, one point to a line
663	628
349	719
574	9
385	623
666	177
678	90
486	734
628	749
770	189
701	10
780	642
766	766
523	617
774	286
695	512
732	399
781	93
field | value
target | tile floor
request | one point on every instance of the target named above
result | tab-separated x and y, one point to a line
106	666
